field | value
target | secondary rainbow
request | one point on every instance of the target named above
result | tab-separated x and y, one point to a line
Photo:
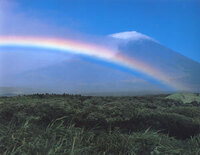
91	50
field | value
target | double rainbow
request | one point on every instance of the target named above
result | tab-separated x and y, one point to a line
91	50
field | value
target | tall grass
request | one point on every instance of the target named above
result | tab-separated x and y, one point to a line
57	138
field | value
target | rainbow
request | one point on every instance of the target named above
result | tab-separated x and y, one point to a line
91	50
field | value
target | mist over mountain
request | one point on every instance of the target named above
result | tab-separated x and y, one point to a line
81	76
14	91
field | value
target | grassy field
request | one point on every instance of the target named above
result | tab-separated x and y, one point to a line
74	124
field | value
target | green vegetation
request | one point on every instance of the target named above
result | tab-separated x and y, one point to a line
74	124
185	97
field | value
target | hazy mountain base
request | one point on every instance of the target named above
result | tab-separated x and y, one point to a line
74	124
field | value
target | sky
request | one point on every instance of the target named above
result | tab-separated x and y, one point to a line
171	23
174	23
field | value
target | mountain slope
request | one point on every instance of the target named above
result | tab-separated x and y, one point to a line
181	69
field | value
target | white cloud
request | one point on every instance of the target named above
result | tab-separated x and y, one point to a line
130	35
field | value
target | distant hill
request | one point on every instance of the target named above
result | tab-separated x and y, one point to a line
185	97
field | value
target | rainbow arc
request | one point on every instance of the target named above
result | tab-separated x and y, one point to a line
91	50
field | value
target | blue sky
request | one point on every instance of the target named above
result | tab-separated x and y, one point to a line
174	23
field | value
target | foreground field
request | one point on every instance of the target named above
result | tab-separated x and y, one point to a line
74	124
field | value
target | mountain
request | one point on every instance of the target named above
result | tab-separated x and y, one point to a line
181	69
67	73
